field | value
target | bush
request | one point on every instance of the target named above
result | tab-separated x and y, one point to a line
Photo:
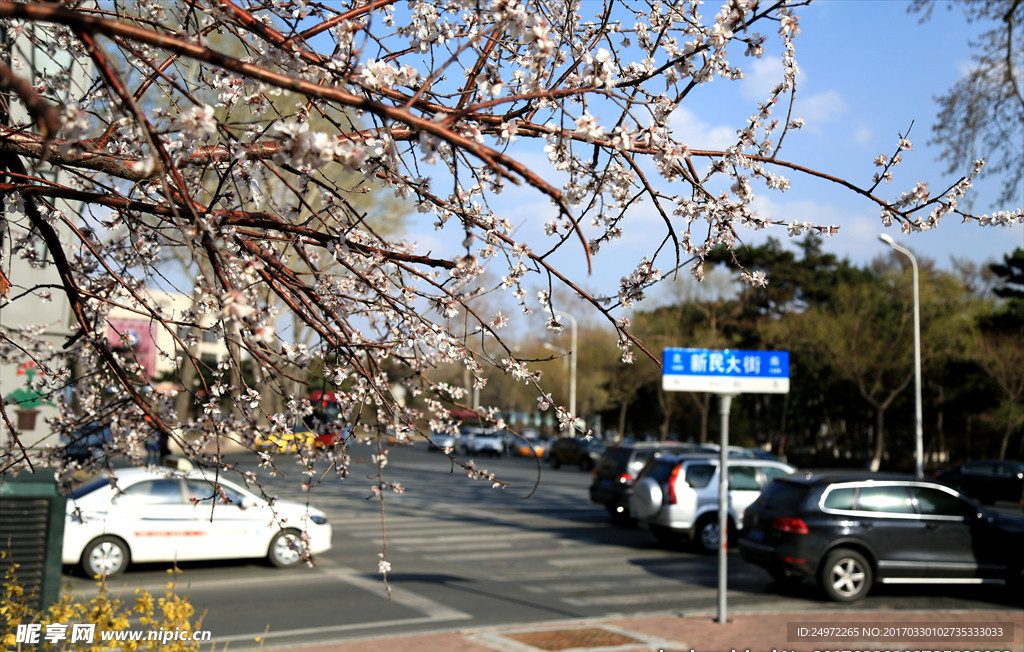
169	619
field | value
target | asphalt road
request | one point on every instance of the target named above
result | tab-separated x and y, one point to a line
464	553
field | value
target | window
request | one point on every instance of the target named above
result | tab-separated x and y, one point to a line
893	499
638	462
1006	469
152	492
203	492
771	472
935	502
659	469
979	468
783	496
840	498
743	478
699	475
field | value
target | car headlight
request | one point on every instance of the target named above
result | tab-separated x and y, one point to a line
319	520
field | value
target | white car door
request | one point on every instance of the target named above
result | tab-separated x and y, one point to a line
235	527
154	519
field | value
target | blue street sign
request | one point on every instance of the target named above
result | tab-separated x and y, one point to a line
726	371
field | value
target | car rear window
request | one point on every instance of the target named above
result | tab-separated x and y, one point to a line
699	475
639	459
614	459
782	496
660	469
840	498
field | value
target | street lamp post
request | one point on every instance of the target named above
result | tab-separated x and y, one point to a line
918	427
572	365
565	355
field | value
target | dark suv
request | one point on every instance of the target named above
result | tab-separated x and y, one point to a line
619	466
575	451
849	531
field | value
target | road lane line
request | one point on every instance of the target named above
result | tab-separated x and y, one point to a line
434	612
431	608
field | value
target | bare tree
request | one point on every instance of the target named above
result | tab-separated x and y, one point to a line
982	115
173	137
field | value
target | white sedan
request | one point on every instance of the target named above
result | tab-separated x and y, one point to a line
165	515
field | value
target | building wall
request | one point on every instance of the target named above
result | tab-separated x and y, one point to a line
155	346
34	302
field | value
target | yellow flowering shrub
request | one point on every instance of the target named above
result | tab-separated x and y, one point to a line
171	614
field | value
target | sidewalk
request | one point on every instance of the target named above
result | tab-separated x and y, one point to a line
843	630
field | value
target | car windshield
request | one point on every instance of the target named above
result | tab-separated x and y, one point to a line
90	486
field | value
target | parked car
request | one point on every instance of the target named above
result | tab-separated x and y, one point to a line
987	481
87	442
851	531
288	442
162	515
439	441
617	468
528	444
677	496
575	451
484	441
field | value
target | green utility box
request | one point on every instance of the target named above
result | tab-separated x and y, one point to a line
32	534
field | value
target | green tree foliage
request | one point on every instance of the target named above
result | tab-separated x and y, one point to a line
999	350
850	334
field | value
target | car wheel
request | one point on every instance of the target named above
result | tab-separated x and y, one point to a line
106	556
706	534
285	549
647	498
845	575
586	464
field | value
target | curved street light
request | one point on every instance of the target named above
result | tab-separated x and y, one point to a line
562	353
918	427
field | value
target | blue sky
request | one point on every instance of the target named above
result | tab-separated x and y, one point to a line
868	70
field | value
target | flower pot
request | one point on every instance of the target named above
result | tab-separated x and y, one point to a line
27	419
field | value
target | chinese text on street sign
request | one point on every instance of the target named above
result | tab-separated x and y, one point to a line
728	371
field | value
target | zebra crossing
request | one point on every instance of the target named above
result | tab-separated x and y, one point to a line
535	554
556	546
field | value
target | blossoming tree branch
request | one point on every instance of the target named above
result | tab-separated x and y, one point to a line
244	154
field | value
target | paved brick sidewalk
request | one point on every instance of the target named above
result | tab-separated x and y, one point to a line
753	632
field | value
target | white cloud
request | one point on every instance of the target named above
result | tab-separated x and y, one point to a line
822	107
689	129
863	135
760	77
857	238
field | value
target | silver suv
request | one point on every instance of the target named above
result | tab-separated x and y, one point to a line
484	441
677	496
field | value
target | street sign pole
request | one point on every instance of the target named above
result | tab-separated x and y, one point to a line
726	374
724	407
